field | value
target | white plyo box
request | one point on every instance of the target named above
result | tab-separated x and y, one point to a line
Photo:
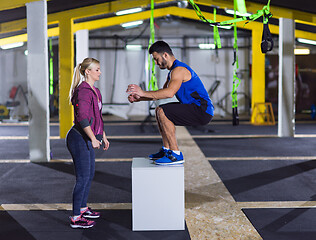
157	196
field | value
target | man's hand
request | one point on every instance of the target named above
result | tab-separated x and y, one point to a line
134	89
133	98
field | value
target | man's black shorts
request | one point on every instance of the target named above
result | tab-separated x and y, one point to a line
186	114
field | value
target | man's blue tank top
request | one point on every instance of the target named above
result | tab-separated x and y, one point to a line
193	91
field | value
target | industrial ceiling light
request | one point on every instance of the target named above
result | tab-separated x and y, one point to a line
307	41
301	51
132	24
207	46
133	47
128	11
226	27
12	45
231	12
182	4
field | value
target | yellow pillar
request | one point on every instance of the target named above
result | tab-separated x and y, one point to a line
66	66
257	70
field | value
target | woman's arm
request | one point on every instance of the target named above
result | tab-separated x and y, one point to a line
106	142
95	142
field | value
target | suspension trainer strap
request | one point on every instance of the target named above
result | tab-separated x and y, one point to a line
51	68
199	13
151	62
236	80
266	45
241	6
264	11
217	39
267	41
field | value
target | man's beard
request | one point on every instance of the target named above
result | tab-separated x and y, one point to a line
163	65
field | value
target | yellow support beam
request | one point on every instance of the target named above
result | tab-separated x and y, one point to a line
14	39
104	8
66	66
13	26
102	23
84	12
101	9
6	5
257	71
23	37
175	11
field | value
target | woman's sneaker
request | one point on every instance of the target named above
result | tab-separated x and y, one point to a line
162	152
170	158
81	222
88	213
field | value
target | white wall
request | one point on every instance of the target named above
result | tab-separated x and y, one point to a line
13	73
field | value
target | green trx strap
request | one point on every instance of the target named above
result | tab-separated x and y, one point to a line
236	80
151	64
51	68
264	11
241	6
217	40
199	13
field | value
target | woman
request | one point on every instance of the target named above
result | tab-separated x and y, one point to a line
86	135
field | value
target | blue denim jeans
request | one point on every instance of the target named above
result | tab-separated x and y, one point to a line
83	157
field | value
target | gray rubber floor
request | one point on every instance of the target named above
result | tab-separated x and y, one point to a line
247	181
253	147
40	183
275	180
51	225
284	223
119	148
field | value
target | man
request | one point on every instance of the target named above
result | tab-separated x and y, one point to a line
194	106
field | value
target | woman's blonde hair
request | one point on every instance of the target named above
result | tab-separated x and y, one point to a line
87	63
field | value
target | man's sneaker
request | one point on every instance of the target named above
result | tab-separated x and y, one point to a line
81	222
170	158
88	213
162	152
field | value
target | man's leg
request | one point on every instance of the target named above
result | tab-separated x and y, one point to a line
163	135
167	130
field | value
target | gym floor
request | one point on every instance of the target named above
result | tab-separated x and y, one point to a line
241	182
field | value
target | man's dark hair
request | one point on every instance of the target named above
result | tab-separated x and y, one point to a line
160	47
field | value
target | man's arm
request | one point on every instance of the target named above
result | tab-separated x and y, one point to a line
178	75
135	98
166	84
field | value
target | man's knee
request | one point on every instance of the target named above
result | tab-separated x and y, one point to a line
159	111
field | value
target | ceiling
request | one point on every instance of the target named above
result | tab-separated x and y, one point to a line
62	5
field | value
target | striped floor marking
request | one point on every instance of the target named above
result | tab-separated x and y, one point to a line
236	136
253	136
128	206
57	137
22	124
158	136
61	206
67	160
276	204
262	158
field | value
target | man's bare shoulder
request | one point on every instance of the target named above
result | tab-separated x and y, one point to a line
182	73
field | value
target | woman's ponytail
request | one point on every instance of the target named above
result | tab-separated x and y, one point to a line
75	81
